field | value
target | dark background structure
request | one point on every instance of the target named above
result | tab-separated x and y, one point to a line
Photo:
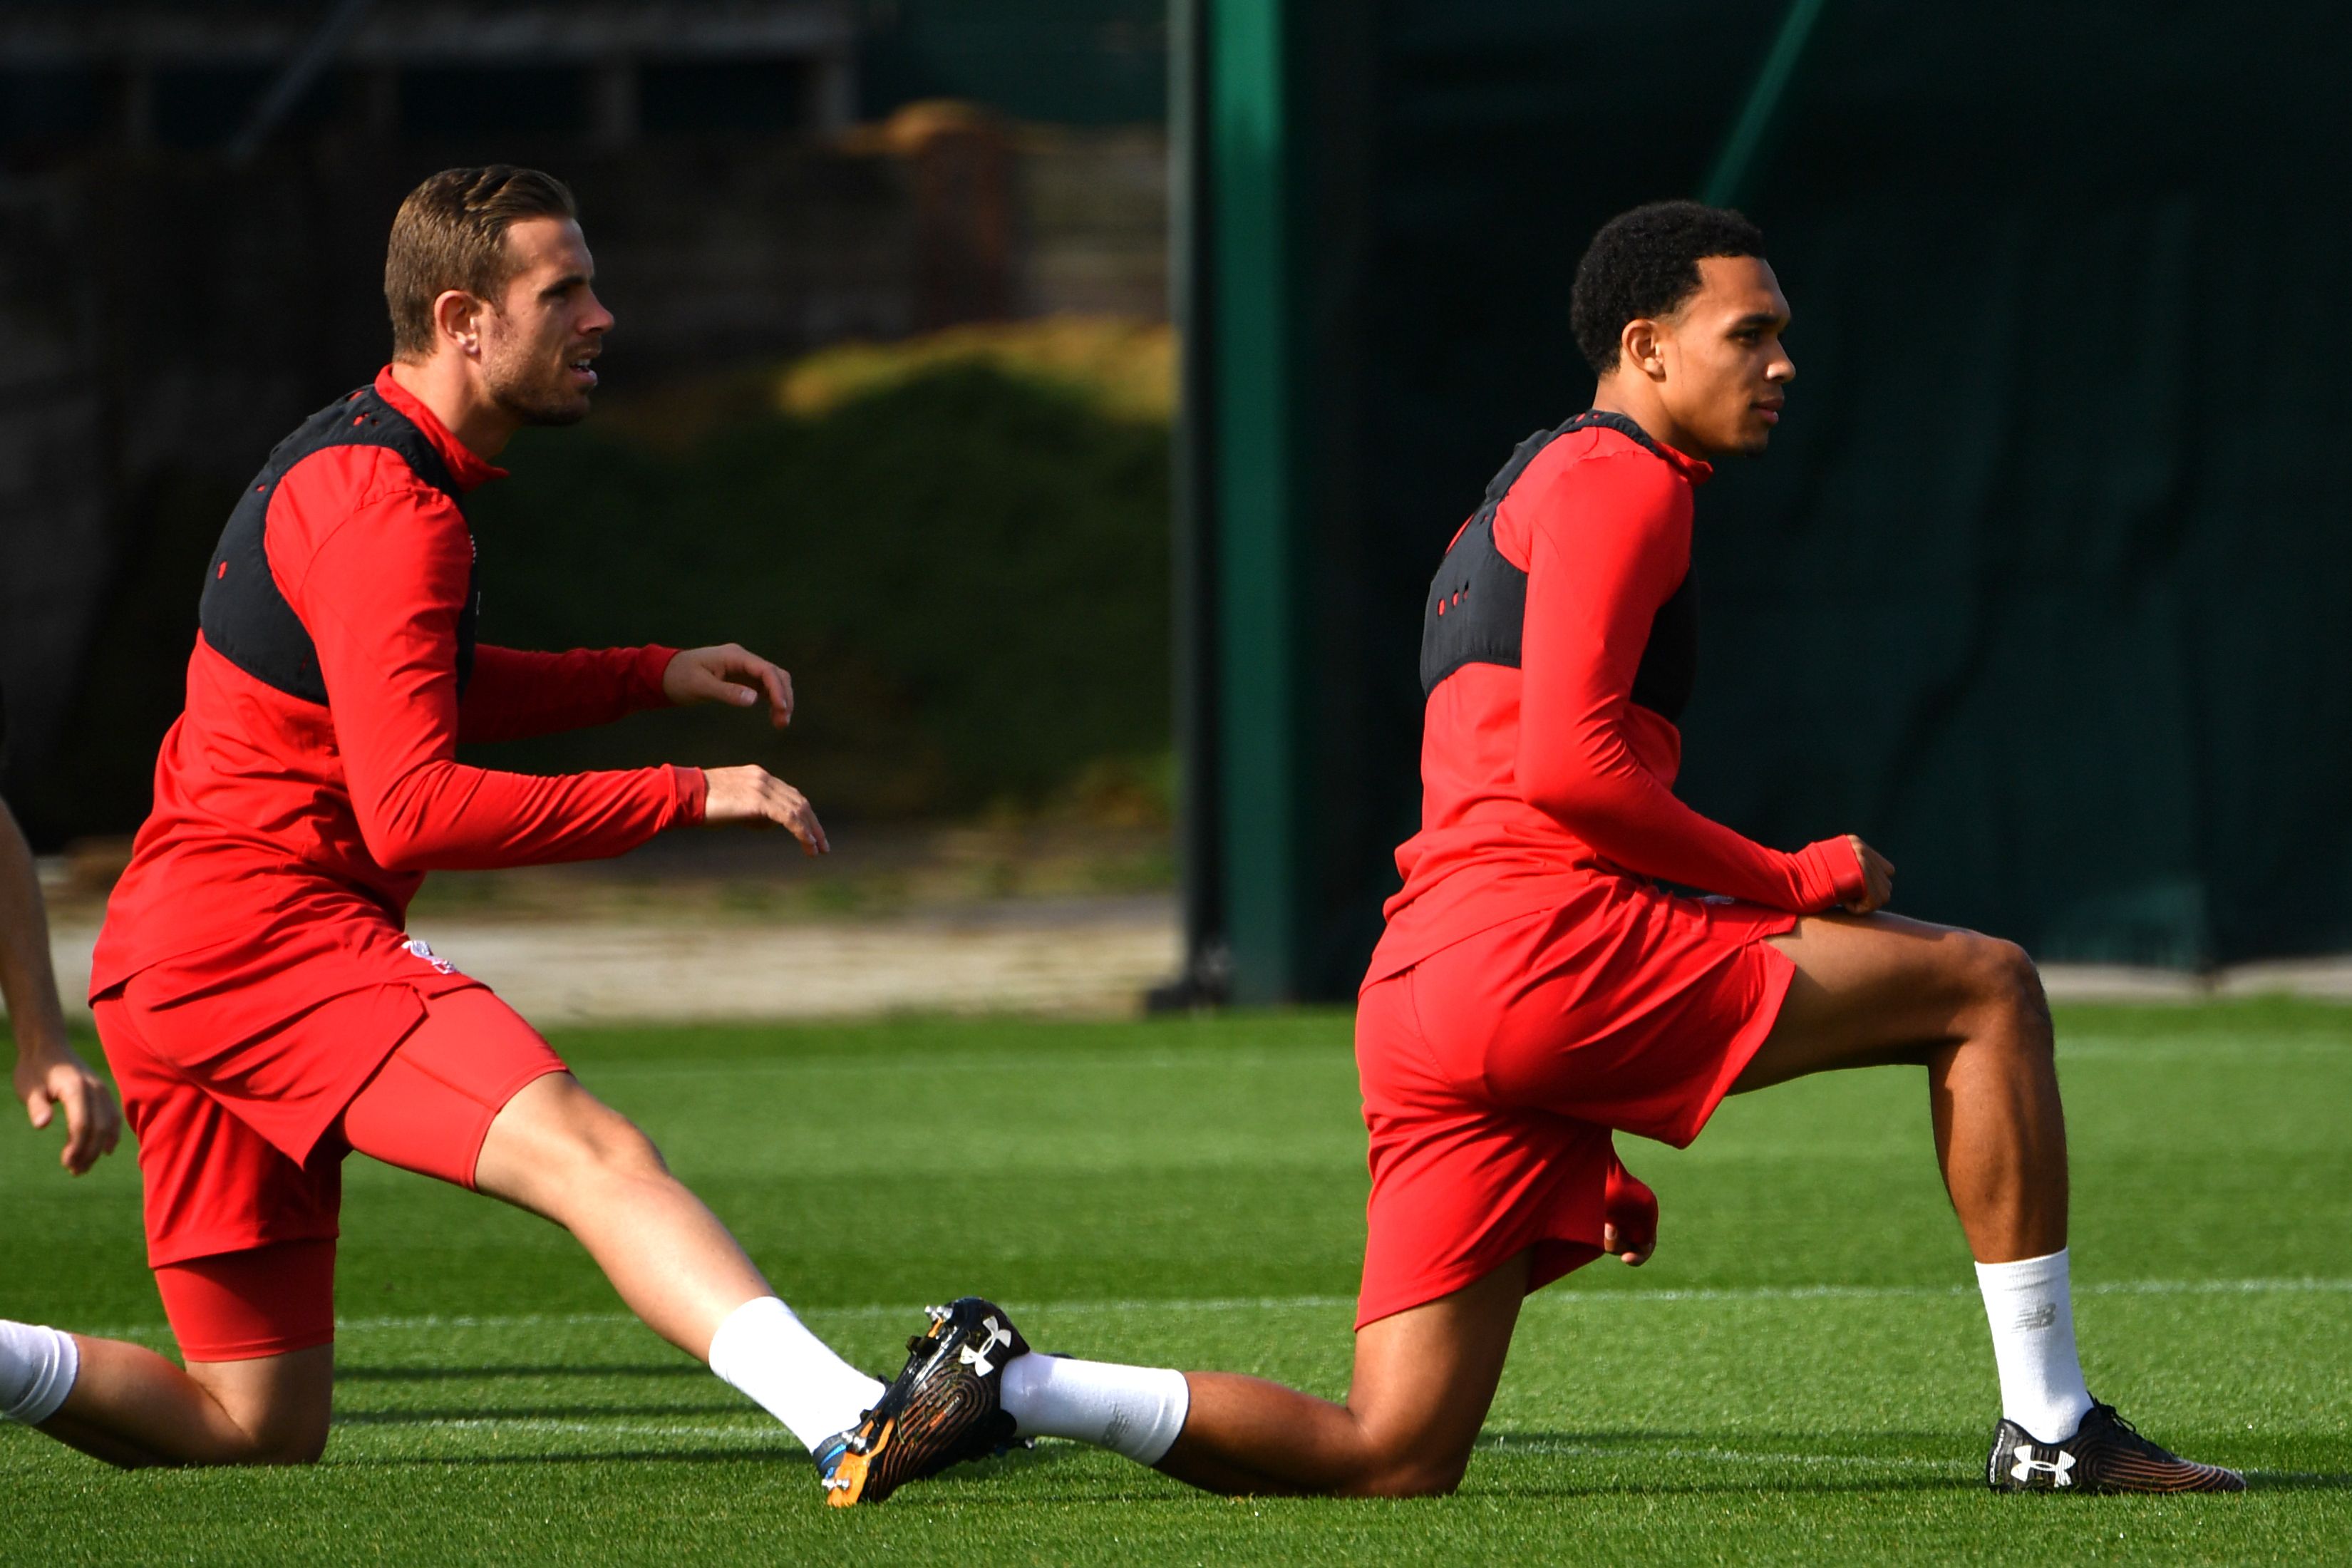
193	210
2046	584
2044	587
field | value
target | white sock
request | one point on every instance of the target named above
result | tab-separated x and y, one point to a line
768	1353
1136	1411
38	1368
2032	1318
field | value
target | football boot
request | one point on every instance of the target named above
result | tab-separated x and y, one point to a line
2107	1454
942	1409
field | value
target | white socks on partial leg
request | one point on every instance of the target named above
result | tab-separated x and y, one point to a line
2033	1316
1135	1411
768	1353
38	1368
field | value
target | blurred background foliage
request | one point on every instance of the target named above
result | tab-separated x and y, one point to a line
957	543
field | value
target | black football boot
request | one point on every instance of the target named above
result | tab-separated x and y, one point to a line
2107	1454
942	1409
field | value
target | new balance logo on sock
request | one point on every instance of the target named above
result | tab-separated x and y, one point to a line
2061	1470
976	1357
2033	1319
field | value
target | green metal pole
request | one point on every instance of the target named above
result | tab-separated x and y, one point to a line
1258	572
1733	165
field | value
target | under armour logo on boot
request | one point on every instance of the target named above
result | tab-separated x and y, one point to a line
976	1357
2059	1472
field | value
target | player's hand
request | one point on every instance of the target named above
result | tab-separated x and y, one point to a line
1877	878
46	1081
1632	1257
1629	1217
757	797
730	674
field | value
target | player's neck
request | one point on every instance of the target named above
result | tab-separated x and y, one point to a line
448	386
1639	401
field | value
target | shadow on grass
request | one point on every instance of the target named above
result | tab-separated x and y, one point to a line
777	1456
1811	1444
531	1413
470	1374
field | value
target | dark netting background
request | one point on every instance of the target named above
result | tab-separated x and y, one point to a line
2046	585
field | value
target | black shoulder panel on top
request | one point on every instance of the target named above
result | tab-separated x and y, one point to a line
1478	606
245	618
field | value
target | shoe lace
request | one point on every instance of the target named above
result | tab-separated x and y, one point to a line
2115	1417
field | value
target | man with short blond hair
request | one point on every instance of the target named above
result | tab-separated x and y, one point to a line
264	1011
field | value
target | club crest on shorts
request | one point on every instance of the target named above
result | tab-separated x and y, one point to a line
417	947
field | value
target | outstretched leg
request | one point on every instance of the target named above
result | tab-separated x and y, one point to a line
547	1145
474	1097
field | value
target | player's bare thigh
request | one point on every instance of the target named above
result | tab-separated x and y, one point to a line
1875	989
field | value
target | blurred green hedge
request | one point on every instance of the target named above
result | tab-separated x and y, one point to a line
965	569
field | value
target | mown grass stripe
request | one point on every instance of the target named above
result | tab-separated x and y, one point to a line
420	1323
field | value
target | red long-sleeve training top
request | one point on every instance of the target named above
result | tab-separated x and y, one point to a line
289	835
1537	780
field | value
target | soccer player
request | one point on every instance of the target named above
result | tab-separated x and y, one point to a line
1538	987
264	1012
49	1074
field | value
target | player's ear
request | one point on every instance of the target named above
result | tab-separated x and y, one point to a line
1641	348
456	320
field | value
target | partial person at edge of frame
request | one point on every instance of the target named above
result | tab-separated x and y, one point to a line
49	1074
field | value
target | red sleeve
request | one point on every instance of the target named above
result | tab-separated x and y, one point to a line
1608	544
514	694
379	599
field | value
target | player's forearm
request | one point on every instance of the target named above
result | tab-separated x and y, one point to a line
26	979
515	693
1629	817
441	816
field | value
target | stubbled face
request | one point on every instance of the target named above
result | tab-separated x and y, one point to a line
539	344
1726	373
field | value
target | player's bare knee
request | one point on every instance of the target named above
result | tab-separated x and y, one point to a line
278	1442
295	1448
1409	1468
2008	987
611	1146
1414	1477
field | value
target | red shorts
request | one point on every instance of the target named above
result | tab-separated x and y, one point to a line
1494	1071
242	1197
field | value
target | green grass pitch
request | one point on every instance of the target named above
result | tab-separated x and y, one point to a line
1803	1375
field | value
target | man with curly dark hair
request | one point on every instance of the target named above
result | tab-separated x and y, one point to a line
1539	986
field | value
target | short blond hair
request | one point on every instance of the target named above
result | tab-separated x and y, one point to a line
451	232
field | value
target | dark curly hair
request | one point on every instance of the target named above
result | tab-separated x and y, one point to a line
1643	263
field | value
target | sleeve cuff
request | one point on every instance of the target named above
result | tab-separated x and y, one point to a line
653	663
1832	873
693	788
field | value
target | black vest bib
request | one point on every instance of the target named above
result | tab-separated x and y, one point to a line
1478	606
245	618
